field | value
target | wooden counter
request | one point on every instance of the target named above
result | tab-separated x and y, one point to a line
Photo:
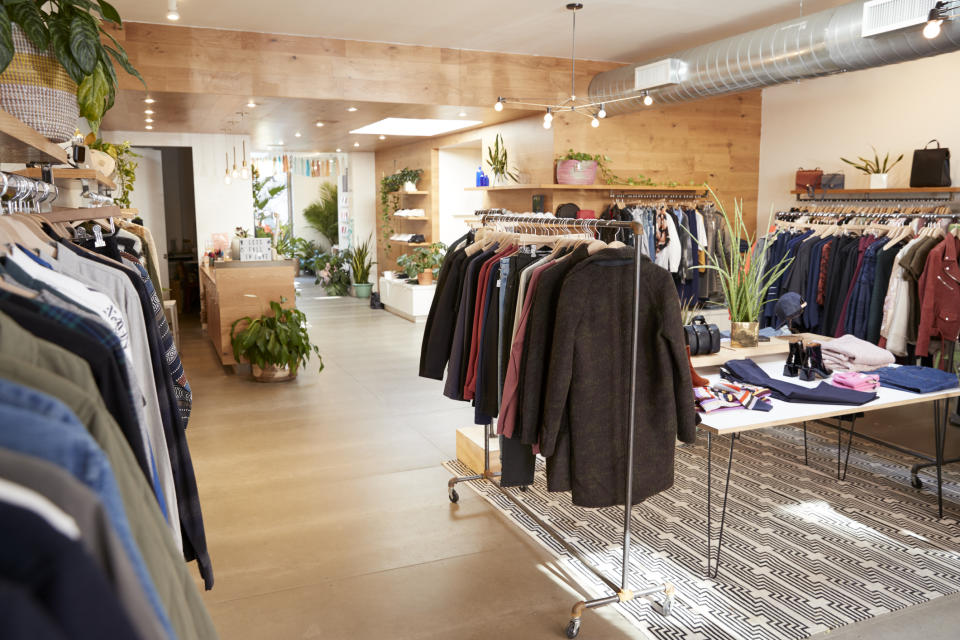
232	290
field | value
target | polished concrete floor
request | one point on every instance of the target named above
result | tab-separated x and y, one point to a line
326	511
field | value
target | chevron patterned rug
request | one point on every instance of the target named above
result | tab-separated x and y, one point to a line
803	552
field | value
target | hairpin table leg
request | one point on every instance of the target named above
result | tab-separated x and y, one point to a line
806	459
713	565
846	461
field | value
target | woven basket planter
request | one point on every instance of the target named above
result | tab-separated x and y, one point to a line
37	89
576	172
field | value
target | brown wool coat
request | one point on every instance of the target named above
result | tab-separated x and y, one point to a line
585	425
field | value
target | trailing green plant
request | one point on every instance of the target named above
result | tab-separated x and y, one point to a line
745	275
321	214
360	262
126	167
281	339
876	165
72	30
422	258
263	192
497	160
333	273
390	198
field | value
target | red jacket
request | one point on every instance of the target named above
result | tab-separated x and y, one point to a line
939	289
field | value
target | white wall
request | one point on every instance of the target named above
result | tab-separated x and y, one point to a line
220	207
458	168
303	191
896	108
363	201
147	196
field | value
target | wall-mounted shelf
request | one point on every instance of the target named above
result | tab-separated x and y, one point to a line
588	187
414	218
89	213
414	193
20	143
942	194
412	244
803	192
68	174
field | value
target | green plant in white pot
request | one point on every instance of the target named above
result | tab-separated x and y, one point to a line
878	170
360	265
57	63
499	163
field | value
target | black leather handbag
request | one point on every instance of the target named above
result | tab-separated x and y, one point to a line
931	167
702	338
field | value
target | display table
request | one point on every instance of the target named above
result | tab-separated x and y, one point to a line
409	301
232	290
735	423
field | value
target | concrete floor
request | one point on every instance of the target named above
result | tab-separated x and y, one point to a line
326	509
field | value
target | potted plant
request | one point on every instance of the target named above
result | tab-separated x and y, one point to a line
124	169
878	170
390	198
332	273
360	264
321	214
423	263
745	276
499	166
575	167
276	345
64	67
305	252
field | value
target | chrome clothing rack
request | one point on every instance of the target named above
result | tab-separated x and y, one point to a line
622	591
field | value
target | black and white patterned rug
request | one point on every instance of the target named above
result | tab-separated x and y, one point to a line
803	552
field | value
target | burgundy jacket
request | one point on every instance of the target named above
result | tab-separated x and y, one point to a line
939	289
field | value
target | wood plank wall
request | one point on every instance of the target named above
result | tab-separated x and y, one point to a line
715	141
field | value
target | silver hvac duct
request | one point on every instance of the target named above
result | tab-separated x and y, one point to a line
820	44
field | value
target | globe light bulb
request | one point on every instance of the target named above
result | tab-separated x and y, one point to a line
594	123
499	105
547	124
648	100
227	179
548	117
932	29
245	173
602	113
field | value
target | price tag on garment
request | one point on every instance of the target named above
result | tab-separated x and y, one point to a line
98	237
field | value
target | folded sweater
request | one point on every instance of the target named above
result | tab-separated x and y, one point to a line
849	353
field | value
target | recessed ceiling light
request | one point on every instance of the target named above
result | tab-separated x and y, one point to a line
280	142
172	13
356	144
296	135
382	137
415	126
319	124
351	109
149	100
462	114
149	112
148	120
339	149
251	104
149	126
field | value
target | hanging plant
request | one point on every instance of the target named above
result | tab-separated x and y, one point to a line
72	30
390	198
126	167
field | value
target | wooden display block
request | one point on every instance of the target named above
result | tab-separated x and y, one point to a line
470	449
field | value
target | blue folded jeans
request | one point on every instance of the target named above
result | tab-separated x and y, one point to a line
916	379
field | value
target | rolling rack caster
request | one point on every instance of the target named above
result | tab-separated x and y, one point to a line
663	606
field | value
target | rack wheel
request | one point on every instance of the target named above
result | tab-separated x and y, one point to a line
524	488
573	629
916	482
454	496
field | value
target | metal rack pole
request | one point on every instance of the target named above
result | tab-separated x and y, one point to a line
623	593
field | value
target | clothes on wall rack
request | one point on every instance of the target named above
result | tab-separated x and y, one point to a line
537	331
886	276
93	409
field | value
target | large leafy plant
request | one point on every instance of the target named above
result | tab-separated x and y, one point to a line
280	339
742	265
333	273
498	161
321	214
72	30
422	259
390	198
876	165
126	171
360	262
264	190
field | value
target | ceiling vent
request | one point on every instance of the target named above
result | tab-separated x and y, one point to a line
883	16
658	74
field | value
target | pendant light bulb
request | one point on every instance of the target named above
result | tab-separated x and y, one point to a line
499	105
648	99
548	117
173	13
226	172
594	123
602	113
244	170
932	29
227	179
547	124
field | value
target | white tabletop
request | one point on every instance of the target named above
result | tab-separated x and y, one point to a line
734	421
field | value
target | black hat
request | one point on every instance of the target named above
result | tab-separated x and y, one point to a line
789	307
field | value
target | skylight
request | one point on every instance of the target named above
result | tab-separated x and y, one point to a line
415	126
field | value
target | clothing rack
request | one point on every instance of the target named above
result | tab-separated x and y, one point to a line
692	194
622	591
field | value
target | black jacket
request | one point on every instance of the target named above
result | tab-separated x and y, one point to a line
438	331
587	392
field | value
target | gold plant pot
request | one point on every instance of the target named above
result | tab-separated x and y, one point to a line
744	335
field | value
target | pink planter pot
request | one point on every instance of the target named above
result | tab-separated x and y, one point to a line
576	172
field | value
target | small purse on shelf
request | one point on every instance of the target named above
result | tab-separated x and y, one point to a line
702	338
832	181
808	179
931	167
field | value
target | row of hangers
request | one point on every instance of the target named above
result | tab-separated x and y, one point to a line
540	229
896	226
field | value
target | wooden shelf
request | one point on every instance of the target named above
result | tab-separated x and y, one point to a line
69	174
90	213
415	218
816	192
588	187
20	143
412	244
413	193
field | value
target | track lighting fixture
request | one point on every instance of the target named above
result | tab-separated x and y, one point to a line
499	105
173	14
940	12
647	98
